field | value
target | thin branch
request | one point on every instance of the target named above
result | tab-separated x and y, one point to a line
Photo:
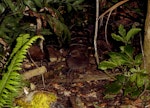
96	31
88	78
142	50
106	27
112	8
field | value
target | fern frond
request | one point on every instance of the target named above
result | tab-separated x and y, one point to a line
21	40
12	81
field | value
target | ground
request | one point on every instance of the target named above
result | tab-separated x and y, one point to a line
86	88
81	88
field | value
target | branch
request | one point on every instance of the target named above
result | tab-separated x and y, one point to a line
35	72
96	31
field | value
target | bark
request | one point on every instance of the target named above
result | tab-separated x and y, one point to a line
147	40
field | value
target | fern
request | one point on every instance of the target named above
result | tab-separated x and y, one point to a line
11	81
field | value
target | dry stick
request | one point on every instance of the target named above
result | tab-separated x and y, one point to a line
106	27
32	59
142	50
96	31
41	47
88	78
43	80
112	8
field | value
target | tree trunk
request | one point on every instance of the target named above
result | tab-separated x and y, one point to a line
147	40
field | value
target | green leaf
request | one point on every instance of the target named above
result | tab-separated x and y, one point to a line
60	29
2	8
21	40
122	31
136	93
113	88
128	50
38	3
104	65
132	90
120	78
30	4
141	78
69	7
11	5
131	33
46	32
69	1
127	90
138	59
77	2
76	5
133	77
133	70
118	58
117	37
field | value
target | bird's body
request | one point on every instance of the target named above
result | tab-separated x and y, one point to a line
36	53
77	60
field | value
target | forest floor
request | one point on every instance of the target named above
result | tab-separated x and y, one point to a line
86	88
80	89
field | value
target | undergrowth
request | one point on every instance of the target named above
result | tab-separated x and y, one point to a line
133	79
42	17
11	82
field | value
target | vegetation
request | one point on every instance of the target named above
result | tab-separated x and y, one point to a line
133	78
23	22
37	99
11	81
44	17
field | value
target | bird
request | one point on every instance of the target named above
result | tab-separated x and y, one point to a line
36	53
77	60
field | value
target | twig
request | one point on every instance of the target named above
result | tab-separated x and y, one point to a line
88	77
142	50
106	27
112	8
96	31
37	67
32	59
111	76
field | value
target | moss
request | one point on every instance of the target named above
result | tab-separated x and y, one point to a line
38	99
